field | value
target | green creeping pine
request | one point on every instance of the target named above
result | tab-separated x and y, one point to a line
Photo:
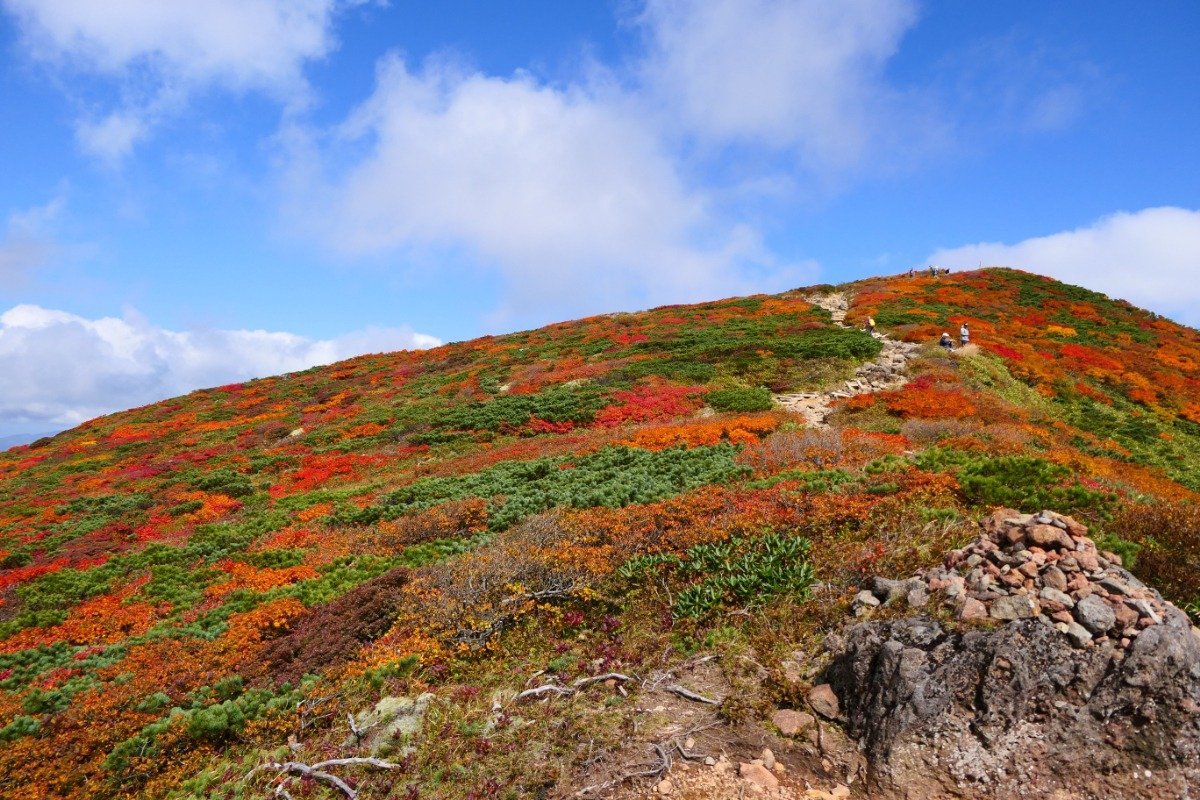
613	477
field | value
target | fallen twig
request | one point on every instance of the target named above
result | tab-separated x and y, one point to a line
549	688
317	772
688	694
613	676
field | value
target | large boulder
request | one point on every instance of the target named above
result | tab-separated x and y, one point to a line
1020	710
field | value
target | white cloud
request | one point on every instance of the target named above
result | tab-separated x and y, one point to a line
804	74
565	191
27	243
1149	257
61	369
161	50
112	139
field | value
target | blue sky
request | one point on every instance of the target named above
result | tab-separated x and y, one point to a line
196	193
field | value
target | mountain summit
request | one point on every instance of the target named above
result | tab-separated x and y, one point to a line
631	554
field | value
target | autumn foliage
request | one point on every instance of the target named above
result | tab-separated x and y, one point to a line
185	586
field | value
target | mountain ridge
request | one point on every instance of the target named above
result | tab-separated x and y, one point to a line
217	575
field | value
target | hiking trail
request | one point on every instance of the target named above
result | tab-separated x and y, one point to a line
887	371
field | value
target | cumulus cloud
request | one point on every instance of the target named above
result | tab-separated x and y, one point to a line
565	191
162	51
804	74
61	369
1149	257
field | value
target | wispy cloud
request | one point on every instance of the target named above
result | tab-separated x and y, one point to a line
28	243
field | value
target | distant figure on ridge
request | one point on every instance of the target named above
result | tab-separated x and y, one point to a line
946	343
912	271
964	335
932	271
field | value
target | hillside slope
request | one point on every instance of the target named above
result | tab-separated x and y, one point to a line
371	559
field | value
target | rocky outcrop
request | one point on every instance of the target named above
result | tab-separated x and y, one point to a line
1021	705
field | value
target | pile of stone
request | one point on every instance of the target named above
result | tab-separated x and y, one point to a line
1033	566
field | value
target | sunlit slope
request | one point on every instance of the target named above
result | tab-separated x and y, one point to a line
189	585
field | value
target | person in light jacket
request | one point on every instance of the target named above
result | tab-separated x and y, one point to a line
964	335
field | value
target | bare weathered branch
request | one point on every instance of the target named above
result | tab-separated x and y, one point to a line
614	676
378	763
688	694
549	688
317	772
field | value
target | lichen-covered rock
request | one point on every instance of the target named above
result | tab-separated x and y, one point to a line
1021	710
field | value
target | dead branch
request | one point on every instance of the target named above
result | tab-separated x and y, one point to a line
317	772
608	676
356	731
688	694
549	688
651	771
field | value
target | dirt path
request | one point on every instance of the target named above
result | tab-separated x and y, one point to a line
887	371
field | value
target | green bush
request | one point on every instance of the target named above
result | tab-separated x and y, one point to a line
226	482
20	726
566	403
740	398
1029	484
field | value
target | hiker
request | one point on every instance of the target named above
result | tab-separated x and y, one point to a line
932	271
912	271
946	270
871	325
964	335
946	343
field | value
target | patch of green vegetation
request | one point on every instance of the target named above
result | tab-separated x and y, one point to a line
747	571
1167	443
612	477
988	372
740	398
819	480
204	721
224	481
568	403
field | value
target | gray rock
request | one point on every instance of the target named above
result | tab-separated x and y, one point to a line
888	590
392	719
864	601
1047	593
1114	586
1094	614
1014	607
917	597
1078	634
1019	710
